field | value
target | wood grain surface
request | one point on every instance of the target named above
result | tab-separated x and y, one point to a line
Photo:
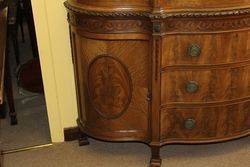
116	88
215	85
211	123
213	50
162	71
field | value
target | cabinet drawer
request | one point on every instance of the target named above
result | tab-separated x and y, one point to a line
205	85
205	49
207	123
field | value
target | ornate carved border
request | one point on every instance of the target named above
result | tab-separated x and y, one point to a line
187	14
160	15
97	25
180	22
204	25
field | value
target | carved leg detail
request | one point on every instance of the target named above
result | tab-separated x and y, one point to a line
83	139
155	157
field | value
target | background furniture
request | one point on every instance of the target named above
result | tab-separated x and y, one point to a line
5	76
29	76
13	24
2	5
28	14
161	72
20	11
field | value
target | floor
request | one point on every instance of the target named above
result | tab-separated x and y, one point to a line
33	127
101	154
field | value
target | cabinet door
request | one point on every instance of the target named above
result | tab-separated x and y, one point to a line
112	81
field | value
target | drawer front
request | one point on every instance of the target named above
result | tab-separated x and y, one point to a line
204	124
205	85
205	49
201	4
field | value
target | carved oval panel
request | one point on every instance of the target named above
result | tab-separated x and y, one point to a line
109	86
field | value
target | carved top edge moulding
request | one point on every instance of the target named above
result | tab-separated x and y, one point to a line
159	14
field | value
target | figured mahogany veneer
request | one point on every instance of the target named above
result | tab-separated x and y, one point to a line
214	85
115	86
213	50
161	71
211	123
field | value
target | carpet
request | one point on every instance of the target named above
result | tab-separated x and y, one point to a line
102	154
33	127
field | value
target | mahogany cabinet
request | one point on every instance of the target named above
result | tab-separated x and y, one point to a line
161	71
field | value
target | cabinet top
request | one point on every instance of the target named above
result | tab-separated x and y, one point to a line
162	6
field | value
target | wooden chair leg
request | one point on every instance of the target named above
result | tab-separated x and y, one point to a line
31	27
20	19
3	111
9	93
22	31
15	46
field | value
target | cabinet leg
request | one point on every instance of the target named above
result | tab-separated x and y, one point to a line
155	157
83	139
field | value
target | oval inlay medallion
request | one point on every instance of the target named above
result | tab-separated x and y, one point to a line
109	86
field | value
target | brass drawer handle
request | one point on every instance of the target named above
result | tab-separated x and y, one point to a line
190	123
194	50
192	87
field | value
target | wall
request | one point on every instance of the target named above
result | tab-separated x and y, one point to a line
57	68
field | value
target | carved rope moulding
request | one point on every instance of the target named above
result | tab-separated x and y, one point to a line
105	14
205	25
159	15
109	86
187	14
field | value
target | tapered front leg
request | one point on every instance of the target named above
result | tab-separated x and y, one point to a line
155	157
83	139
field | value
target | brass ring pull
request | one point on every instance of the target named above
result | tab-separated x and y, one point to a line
192	87
194	50
190	123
